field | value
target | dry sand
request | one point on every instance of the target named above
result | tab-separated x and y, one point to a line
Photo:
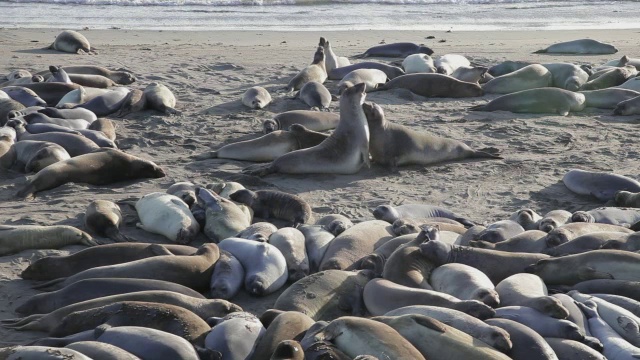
208	72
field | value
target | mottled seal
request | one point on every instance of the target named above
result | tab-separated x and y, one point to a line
33	156
395	145
372	78
100	167
434	85
391	71
401	49
529	77
103	218
275	204
331	60
391	213
527	344
602	185
291	244
311	120
317	71
256	97
314	94
15	238
465	283
72	42
529	290
542	100
582	46
160	98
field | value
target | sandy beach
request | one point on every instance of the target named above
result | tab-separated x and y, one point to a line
209	71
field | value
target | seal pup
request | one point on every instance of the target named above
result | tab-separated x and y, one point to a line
317	72
568	232
335	223
103	218
405	265
628	107
167	215
541	100
627	198
332	61
72	42
433	85
529	77
396	145
611	98
507	67
59	75
285	326
275	204
602	185
370	77
316	242
99	167
344	152
256	97
160	98
544	325
529	290
52	93
418	63
401	50
447	64
315	95
554	219
611	78
33	156
311	120
391	213
582	46
185	190
135	101
15	238
390	70
527	218
288	350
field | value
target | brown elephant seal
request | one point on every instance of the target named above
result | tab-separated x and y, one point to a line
335	223
345	251
610	77
465	283
541	100
311	120
433	85
530	241
527	218
608	98
316	95
53	267
358	336
15	238
382	296
275	204
169	318
100	167
256	97
395	145
160	98
582	46
497	265
103	351
317	71
33	156
326	295
8	106
72	42
376	260
435	339
344	152
527	344
105	126
268	147
288	350
529	77
135	101
372	78
103	218
529	290
291	243
40	352
287	326
400	49
568	232
192	271
406	265
90	289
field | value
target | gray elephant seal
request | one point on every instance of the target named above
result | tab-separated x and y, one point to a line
335	223
396	145
544	325
608	215
223	218
582	46
529	77
95	81
52	93
184	190
465	283
103	218
258	231
33	156
370	77
567	76
39	118
311	120
275	204
588	242
235	336
530	241
326	295
500	231
627	198
315	95
23	95
527	344
160	98
527	218
317	71
286	326
602	185
256	97
434	85
609	98
568	232
344	152
629	289
332	61
120	77
542	100
107	103
78	113
554	219
291	244
98	350
40	352
611	78
391	213
628	107
7	106
529	290
401	49
53	267
507	67
227	278
389	70
15	238
316	242
100	167
570	349
72	42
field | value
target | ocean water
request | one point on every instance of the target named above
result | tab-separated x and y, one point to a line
309	15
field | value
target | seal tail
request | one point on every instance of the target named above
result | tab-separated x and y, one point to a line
50	285
542	51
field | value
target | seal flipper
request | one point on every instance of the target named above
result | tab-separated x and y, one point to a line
159	250
588	273
478	108
485	155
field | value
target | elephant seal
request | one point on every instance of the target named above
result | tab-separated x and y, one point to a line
160	98
52	93
99	167
542	100
447	64
435	339
185	190
529	290
382	296
554	219
103	218
370	77
624	302
78	113
316	242
315	95
91	289
570	349
631	84
193	271
345	151
568	232
544	325
94	81
236	336
39	118
405	265
529	77
527	344
598	264
59	75
227	278
396	145
627	198
288	350
33	156
628	107
291	243
391	213
167	215
582	47
623	61
286	326
324	350
335	223
317	72
326	295
265	266
72	42
259	231
587	242
507	67
275	204
608	215
433	85
24	96
629	289
256	97
358	336
15	238
401	50
7	151
40	352
18	74
530	241
567	76
418	63
608	98
135	101
500	231
53	267
602	185
73	98
311	120
331	60
389	70
98	350
120	77
224	218
465	283
611	78
146	343
484	260
472	74
107	103
6	107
